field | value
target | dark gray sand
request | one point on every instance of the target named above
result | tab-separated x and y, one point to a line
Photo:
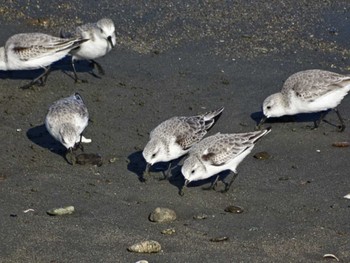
177	58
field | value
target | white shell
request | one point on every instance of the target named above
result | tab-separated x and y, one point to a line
330	256
347	196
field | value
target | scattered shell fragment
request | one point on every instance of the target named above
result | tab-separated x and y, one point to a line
200	217
113	160
262	156
161	214
341	144
89	158
147	246
234	209
347	196
218	239
28	210
61	211
168	231
284	178
142	261
330	256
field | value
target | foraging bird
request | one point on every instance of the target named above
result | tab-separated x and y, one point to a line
30	51
174	137
218	153
66	120
102	39
306	92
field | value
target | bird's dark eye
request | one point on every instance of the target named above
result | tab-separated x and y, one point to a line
268	107
192	172
154	155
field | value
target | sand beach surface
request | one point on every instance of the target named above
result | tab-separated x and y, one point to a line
177	58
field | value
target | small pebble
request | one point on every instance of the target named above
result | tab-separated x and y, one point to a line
147	246
200	217
234	209
262	156
219	239
142	261
61	211
168	231
161	214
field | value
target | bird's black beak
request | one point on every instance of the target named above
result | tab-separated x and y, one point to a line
70	156
182	190
148	166
262	121
186	182
109	39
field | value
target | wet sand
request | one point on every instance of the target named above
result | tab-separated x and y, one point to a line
177	59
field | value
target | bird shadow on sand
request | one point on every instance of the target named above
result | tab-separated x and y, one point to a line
137	165
64	65
40	136
309	118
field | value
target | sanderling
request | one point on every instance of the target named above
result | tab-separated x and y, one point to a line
306	92
174	137
30	51
101	37
217	153
66	120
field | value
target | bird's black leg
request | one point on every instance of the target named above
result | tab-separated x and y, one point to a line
341	127
42	78
213	185
318	122
228	185
79	144
167	173
98	66
76	78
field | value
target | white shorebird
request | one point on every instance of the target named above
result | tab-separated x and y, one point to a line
306	92
29	51
66	120
174	137
219	153
101	37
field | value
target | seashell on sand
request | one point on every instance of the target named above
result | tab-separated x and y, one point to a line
147	246
61	211
161	215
